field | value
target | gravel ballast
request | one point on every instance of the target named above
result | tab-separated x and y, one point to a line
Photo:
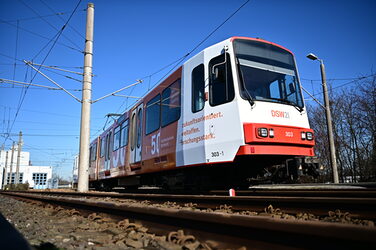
51	227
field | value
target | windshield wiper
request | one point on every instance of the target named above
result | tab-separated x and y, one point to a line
249	97
250	100
300	109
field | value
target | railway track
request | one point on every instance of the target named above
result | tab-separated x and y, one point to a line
220	218
361	204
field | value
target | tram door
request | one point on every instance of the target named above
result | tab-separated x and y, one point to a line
107	158
136	134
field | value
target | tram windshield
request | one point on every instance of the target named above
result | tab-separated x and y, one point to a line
267	73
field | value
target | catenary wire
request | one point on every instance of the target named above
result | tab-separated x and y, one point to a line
23	98
37	17
15	53
59	16
347	83
181	59
202	41
39	35
52	26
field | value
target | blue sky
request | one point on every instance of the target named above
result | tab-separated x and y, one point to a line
133	39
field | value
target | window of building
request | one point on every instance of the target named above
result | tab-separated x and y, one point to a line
40	178
153	114
117	136
13	178
198	88
171	103
221	86
124	133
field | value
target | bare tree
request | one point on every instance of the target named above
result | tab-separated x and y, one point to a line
354	124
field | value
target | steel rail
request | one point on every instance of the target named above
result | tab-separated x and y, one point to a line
243	230
363	208
359	207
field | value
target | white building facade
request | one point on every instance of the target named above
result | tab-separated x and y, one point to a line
37	176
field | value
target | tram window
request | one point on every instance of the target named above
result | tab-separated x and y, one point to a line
153	114
133	132
171	104
198	88
221	86
124	134
117	134
108	140
103	146
93	152
139	127
275	91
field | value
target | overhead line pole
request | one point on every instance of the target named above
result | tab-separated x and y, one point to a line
18	158
11	165
5	170
83	167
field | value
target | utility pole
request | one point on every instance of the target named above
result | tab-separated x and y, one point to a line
83	167
2	149
329	125
5	169
18	157
11	165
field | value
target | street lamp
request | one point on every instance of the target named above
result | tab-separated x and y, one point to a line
328	118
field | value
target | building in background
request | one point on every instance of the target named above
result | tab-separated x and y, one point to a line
37	176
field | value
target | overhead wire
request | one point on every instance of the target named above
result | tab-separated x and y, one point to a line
70	26
53	45
330	79
39	35
66	76
181	59
34	148
39	135
21	86
15	53
38	17
11	57
41	112
52	26
202	41
347	83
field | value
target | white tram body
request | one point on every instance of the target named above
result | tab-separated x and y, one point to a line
231	113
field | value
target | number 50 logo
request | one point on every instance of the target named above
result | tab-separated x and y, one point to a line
155	143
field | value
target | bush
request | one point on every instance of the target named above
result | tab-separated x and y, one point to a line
17	187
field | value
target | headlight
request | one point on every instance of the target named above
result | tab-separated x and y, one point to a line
271	133
263	132
309	136
303	135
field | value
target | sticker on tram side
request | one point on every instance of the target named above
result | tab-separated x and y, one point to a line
191	134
